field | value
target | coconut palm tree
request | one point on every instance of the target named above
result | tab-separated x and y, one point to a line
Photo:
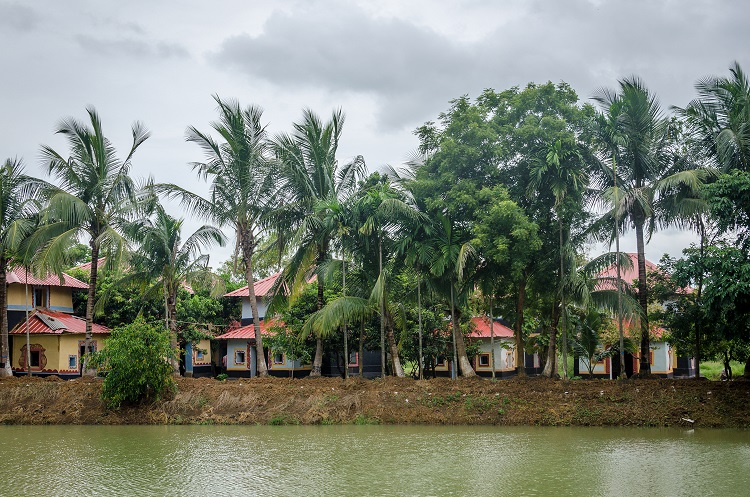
165	262
310	175
96	198
242	176
719	119
646	170
19	201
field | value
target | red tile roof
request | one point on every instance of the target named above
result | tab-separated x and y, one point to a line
628	275
44	321
86	266
247	332
262	288
18	275
482	328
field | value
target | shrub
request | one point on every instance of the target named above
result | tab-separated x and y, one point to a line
136	365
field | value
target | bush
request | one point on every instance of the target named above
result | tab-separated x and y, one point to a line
136	365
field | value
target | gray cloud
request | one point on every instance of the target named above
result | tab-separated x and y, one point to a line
130	47
18	17
413	71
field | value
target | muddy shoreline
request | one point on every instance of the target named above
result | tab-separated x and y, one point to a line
533	401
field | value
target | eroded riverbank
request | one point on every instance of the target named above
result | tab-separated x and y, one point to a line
533	401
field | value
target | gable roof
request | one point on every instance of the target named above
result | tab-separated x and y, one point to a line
42	321
482	328
628	275
16	274
247	332
262	288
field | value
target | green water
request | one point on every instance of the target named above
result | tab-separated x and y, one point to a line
370	460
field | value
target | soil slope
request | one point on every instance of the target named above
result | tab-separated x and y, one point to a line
534	401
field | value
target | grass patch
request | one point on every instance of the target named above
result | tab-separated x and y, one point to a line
712	369
364	419
282	420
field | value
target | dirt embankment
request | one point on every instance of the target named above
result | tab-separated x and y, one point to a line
534	401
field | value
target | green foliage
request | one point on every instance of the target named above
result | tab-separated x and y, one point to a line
135	362
222	377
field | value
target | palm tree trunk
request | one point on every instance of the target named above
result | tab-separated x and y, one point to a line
623	374
28	331
698	320
248	245
360	358
645	365
492	339
382	309
318	359
453	336
550	367
171	311
419	314
397	369
5	345
90	307
563	310
520	303
343	291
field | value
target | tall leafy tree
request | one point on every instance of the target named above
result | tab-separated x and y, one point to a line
97	197
311	174
19	201
167	263
242	176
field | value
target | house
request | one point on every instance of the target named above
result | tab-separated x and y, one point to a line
50	292
197	359
238	347
263	297
506	355
663	358
57	343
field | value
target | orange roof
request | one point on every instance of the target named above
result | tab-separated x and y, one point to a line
482	329
18	275
44	321
247	332
262	287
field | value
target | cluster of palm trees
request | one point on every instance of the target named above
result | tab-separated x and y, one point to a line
480	251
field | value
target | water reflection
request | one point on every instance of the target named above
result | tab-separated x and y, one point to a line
370	460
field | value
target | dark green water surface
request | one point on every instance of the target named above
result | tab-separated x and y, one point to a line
370	460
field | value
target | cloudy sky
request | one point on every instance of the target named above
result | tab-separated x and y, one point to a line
391	65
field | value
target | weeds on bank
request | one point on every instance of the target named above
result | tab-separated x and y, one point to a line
282	420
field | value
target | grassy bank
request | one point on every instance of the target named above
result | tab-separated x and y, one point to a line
534	401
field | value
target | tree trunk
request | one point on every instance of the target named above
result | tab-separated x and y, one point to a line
86	371
563	310
247	245
698	318
520	303
459	350
550	367
397	369
343	292
382	309
5	345
318	359
419	313
172	325
746	374
644	366
360	358
492	339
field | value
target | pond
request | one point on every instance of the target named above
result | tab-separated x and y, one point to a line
370	460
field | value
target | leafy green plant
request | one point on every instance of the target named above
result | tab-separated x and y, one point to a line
222	377
135	363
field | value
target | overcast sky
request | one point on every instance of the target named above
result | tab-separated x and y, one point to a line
391	65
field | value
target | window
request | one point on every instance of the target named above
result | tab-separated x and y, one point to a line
198	354
35	358
354	359
440	362
40	297
484	359
278	358
72	362
239	357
